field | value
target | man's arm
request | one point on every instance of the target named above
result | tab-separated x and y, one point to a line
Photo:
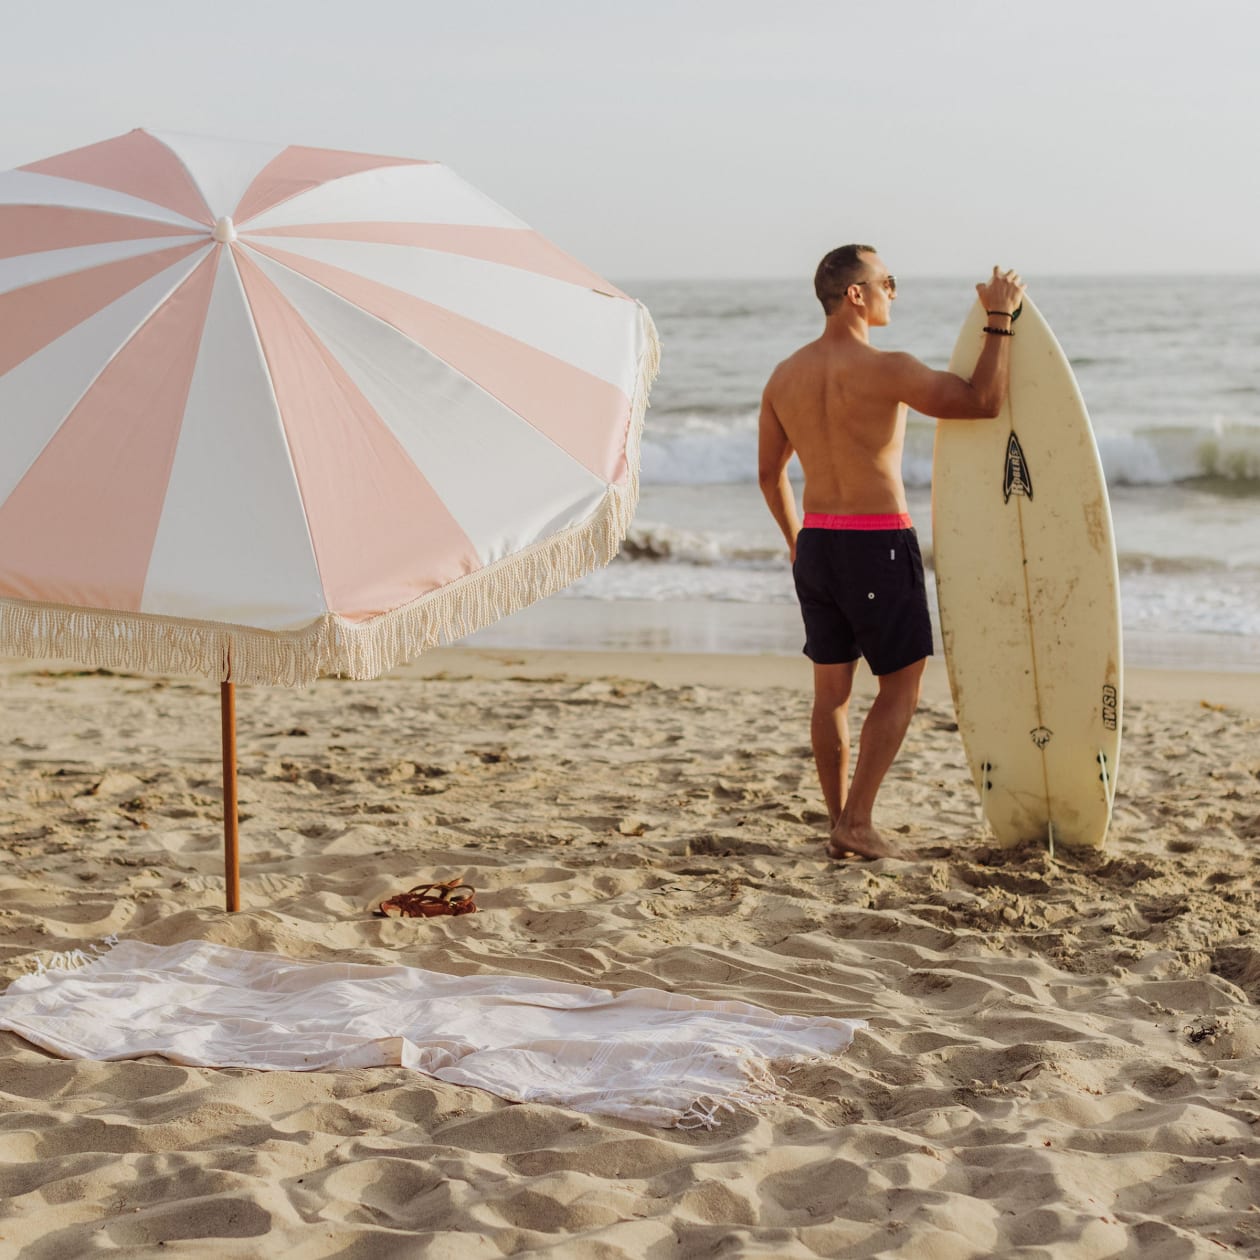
949	397
773	452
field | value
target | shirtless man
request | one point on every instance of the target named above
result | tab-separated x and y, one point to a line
840	404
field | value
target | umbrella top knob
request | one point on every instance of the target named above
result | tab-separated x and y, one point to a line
224	232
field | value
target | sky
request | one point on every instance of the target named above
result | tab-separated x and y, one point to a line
667	139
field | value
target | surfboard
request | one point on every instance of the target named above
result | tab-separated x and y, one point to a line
1029	596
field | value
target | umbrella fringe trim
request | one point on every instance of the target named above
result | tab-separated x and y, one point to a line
151	643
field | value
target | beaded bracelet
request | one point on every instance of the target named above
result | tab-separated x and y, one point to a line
1001	332
1014	315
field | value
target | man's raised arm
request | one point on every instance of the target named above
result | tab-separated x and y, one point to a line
950	397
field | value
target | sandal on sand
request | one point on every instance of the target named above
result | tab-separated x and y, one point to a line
426	901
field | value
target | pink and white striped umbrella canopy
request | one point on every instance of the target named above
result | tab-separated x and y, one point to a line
275	412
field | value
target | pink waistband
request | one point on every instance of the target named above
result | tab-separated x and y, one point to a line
828	520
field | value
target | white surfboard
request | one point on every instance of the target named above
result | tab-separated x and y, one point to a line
1029	597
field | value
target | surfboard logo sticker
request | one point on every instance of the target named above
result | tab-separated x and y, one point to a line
1017	479
1041	736
1109	707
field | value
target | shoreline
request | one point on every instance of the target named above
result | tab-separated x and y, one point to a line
1219	689
1216	689
697	627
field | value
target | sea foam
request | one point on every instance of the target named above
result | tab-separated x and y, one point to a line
690	449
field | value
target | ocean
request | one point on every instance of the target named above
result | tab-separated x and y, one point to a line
1170	371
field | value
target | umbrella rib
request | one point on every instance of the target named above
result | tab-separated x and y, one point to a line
445	360
284	432
385	164
463	240
193	263
136	247
167	218
192	179
67	193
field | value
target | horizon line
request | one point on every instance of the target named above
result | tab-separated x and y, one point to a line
958	276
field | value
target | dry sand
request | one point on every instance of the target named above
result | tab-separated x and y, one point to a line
1063	1056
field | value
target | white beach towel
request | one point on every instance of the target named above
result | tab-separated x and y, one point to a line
644	1055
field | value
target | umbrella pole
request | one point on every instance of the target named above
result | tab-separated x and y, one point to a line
231	826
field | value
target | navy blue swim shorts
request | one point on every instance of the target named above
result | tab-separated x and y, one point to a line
862	593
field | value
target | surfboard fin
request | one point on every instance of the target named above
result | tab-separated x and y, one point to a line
1108	788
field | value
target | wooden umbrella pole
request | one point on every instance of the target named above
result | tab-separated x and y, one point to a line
231	826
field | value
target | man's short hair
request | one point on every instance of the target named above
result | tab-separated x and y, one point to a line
839	269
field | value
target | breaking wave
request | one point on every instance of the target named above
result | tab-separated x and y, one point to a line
712	449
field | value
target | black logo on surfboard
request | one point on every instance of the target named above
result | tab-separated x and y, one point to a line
1110	708
1041	736
1017	479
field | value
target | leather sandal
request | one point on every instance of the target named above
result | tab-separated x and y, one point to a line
427	901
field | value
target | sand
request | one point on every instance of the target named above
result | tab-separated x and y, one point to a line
1063	1057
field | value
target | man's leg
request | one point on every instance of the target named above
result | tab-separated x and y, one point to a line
882	732
829	733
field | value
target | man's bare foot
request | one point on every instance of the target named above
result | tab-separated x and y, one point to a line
865	842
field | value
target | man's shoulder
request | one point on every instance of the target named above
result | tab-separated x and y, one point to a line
851	359
857	363
802	354
889	365
783	373
896	358
802	360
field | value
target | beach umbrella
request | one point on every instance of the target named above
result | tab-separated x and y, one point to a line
269	413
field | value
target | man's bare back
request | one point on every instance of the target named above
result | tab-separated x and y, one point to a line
837	414
840	405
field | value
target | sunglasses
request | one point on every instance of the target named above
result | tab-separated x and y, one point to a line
889	284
